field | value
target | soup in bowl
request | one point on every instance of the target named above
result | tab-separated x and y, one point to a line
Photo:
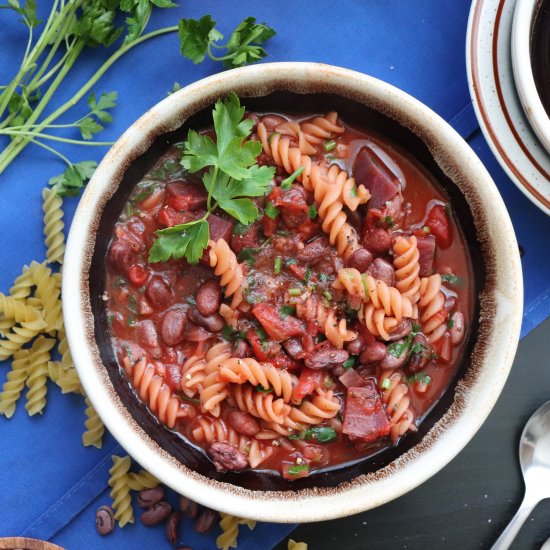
292	292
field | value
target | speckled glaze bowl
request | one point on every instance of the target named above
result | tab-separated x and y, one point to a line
497	279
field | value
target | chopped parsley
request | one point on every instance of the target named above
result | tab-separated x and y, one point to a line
261	389
297	469
389	221
329	145
277	265
240	228
290	261
450	278
312	212
248	255
286	184
420	378
287	310
271	211
349	363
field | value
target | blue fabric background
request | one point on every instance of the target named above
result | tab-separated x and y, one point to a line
51	484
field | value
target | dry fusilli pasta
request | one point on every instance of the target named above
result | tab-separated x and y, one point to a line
13	386
293	545
53	225
142	480
94	428
48	291
120	490
38	373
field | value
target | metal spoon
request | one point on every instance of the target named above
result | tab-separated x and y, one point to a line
534	457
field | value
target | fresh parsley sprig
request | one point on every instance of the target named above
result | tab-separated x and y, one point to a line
200	37
231	178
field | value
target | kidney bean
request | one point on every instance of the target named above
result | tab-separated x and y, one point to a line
226	456
241	349
212	323
156	514
401	330
294	348
208	297
104	520
173	527
457	330
206	520
158	292
149	497
196	334
450	302
243	423
419	360
373	353
122	256
377	241
173	326
382	270
188	507
355	347
326	358
147	334
360	260
392	362
144	308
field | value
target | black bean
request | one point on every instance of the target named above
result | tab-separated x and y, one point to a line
104	520
156	514
149	497
206	520
173	527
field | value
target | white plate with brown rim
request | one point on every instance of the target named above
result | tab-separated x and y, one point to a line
496	102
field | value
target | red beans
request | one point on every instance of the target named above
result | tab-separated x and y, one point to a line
173	326
156	514
243	423
241	349
401	330
355	347
457	330
147	334
226	456
382	270
392	362
360	260
122	256
373	352
377	241
206	520
326	358
158	292
188	507
172	527
212	323
104	520
149	497
209	297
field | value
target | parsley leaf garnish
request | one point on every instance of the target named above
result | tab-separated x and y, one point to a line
186	240
199	37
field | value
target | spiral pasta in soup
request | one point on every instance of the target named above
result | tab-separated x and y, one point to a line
288	293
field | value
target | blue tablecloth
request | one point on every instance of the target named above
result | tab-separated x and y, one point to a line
51	485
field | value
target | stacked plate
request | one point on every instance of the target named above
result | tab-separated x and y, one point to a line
508	61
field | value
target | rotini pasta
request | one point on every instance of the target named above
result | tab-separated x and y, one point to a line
53	225
376	321
407	267
13	386
395	395
142	480
293	545
433	316
20	290
152	389
120	490
225	265
48	291
214	389
93	436
321	407
38	373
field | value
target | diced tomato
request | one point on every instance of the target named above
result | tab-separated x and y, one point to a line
315	453
294	471
138	275
185	196
269	226
275	194
283	361
262	350
440	227
309	381
298	270
365	416
310	336
277	328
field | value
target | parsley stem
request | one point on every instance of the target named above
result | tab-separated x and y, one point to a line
11	132
52	150
17	145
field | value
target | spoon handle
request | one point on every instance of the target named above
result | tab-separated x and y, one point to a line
509	534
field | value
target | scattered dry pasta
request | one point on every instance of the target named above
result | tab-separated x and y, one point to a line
230	530
120	490
13	386
38	373
93	436
53	225
293	545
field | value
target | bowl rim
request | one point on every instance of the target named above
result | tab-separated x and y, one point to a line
500	320
522	30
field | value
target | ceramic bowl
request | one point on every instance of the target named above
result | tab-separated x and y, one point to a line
497	280
531	63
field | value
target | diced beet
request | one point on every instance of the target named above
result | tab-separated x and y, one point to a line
365	416
277	328
248	239
182	196
168	216
219	228
369	173
426	249
352	379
